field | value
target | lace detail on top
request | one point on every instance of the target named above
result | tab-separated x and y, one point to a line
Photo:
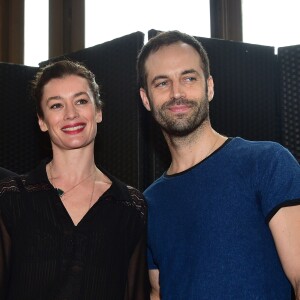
11	185
138	202
8	184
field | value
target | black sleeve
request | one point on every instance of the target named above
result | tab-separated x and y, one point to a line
5	247
138	286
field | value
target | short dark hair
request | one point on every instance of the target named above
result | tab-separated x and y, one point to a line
165	39
61	69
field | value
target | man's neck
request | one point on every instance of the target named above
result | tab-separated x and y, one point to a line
190	150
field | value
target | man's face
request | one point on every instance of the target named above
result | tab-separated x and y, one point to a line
178	94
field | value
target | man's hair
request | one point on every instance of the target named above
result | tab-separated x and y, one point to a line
165	39
61	69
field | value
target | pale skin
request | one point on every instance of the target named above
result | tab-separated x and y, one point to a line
71	117
175	71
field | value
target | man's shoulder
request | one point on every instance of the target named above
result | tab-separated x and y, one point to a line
257	148
260	156
154	188
254	144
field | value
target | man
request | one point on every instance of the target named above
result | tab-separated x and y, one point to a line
6	173
223	207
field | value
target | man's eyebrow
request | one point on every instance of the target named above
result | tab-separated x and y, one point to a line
159	77
189	71
185	72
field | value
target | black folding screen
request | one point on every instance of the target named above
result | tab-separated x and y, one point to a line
289	64
246	103
20	147
246	100
256	97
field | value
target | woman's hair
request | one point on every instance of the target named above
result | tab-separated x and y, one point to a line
61	69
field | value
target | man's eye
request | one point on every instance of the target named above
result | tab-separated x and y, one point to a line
190	79
163	83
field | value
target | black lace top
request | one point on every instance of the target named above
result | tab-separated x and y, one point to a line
43	255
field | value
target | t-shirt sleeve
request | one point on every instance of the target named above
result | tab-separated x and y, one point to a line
278	180
150	260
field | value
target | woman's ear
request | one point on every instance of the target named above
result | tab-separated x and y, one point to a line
145	99
42	124
99	116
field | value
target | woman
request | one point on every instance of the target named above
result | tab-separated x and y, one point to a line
69	230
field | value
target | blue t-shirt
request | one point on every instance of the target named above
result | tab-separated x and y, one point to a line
208	226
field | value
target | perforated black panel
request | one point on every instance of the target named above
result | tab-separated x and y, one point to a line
289	66
246	101
20	148
119	141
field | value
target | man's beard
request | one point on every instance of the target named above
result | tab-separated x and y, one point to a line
180	125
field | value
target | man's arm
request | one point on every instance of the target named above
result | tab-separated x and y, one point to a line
154	281
285	228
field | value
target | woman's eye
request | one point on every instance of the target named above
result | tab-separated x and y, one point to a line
55	106
82	101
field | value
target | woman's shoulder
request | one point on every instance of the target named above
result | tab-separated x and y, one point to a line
4	173
123	190
137	200
29	182
11	184
130	197
136	196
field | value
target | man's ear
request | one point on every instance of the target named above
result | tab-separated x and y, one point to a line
210	88
42	124
145	99
99	116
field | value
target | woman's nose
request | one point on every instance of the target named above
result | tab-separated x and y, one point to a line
71	112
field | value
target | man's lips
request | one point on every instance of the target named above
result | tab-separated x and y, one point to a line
179	108
74	128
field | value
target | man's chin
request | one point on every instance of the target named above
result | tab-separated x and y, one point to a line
178	132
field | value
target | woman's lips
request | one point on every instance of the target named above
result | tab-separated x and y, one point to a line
74	128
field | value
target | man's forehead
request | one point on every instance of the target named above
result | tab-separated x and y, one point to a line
173	60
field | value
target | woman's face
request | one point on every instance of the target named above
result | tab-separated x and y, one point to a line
70	114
